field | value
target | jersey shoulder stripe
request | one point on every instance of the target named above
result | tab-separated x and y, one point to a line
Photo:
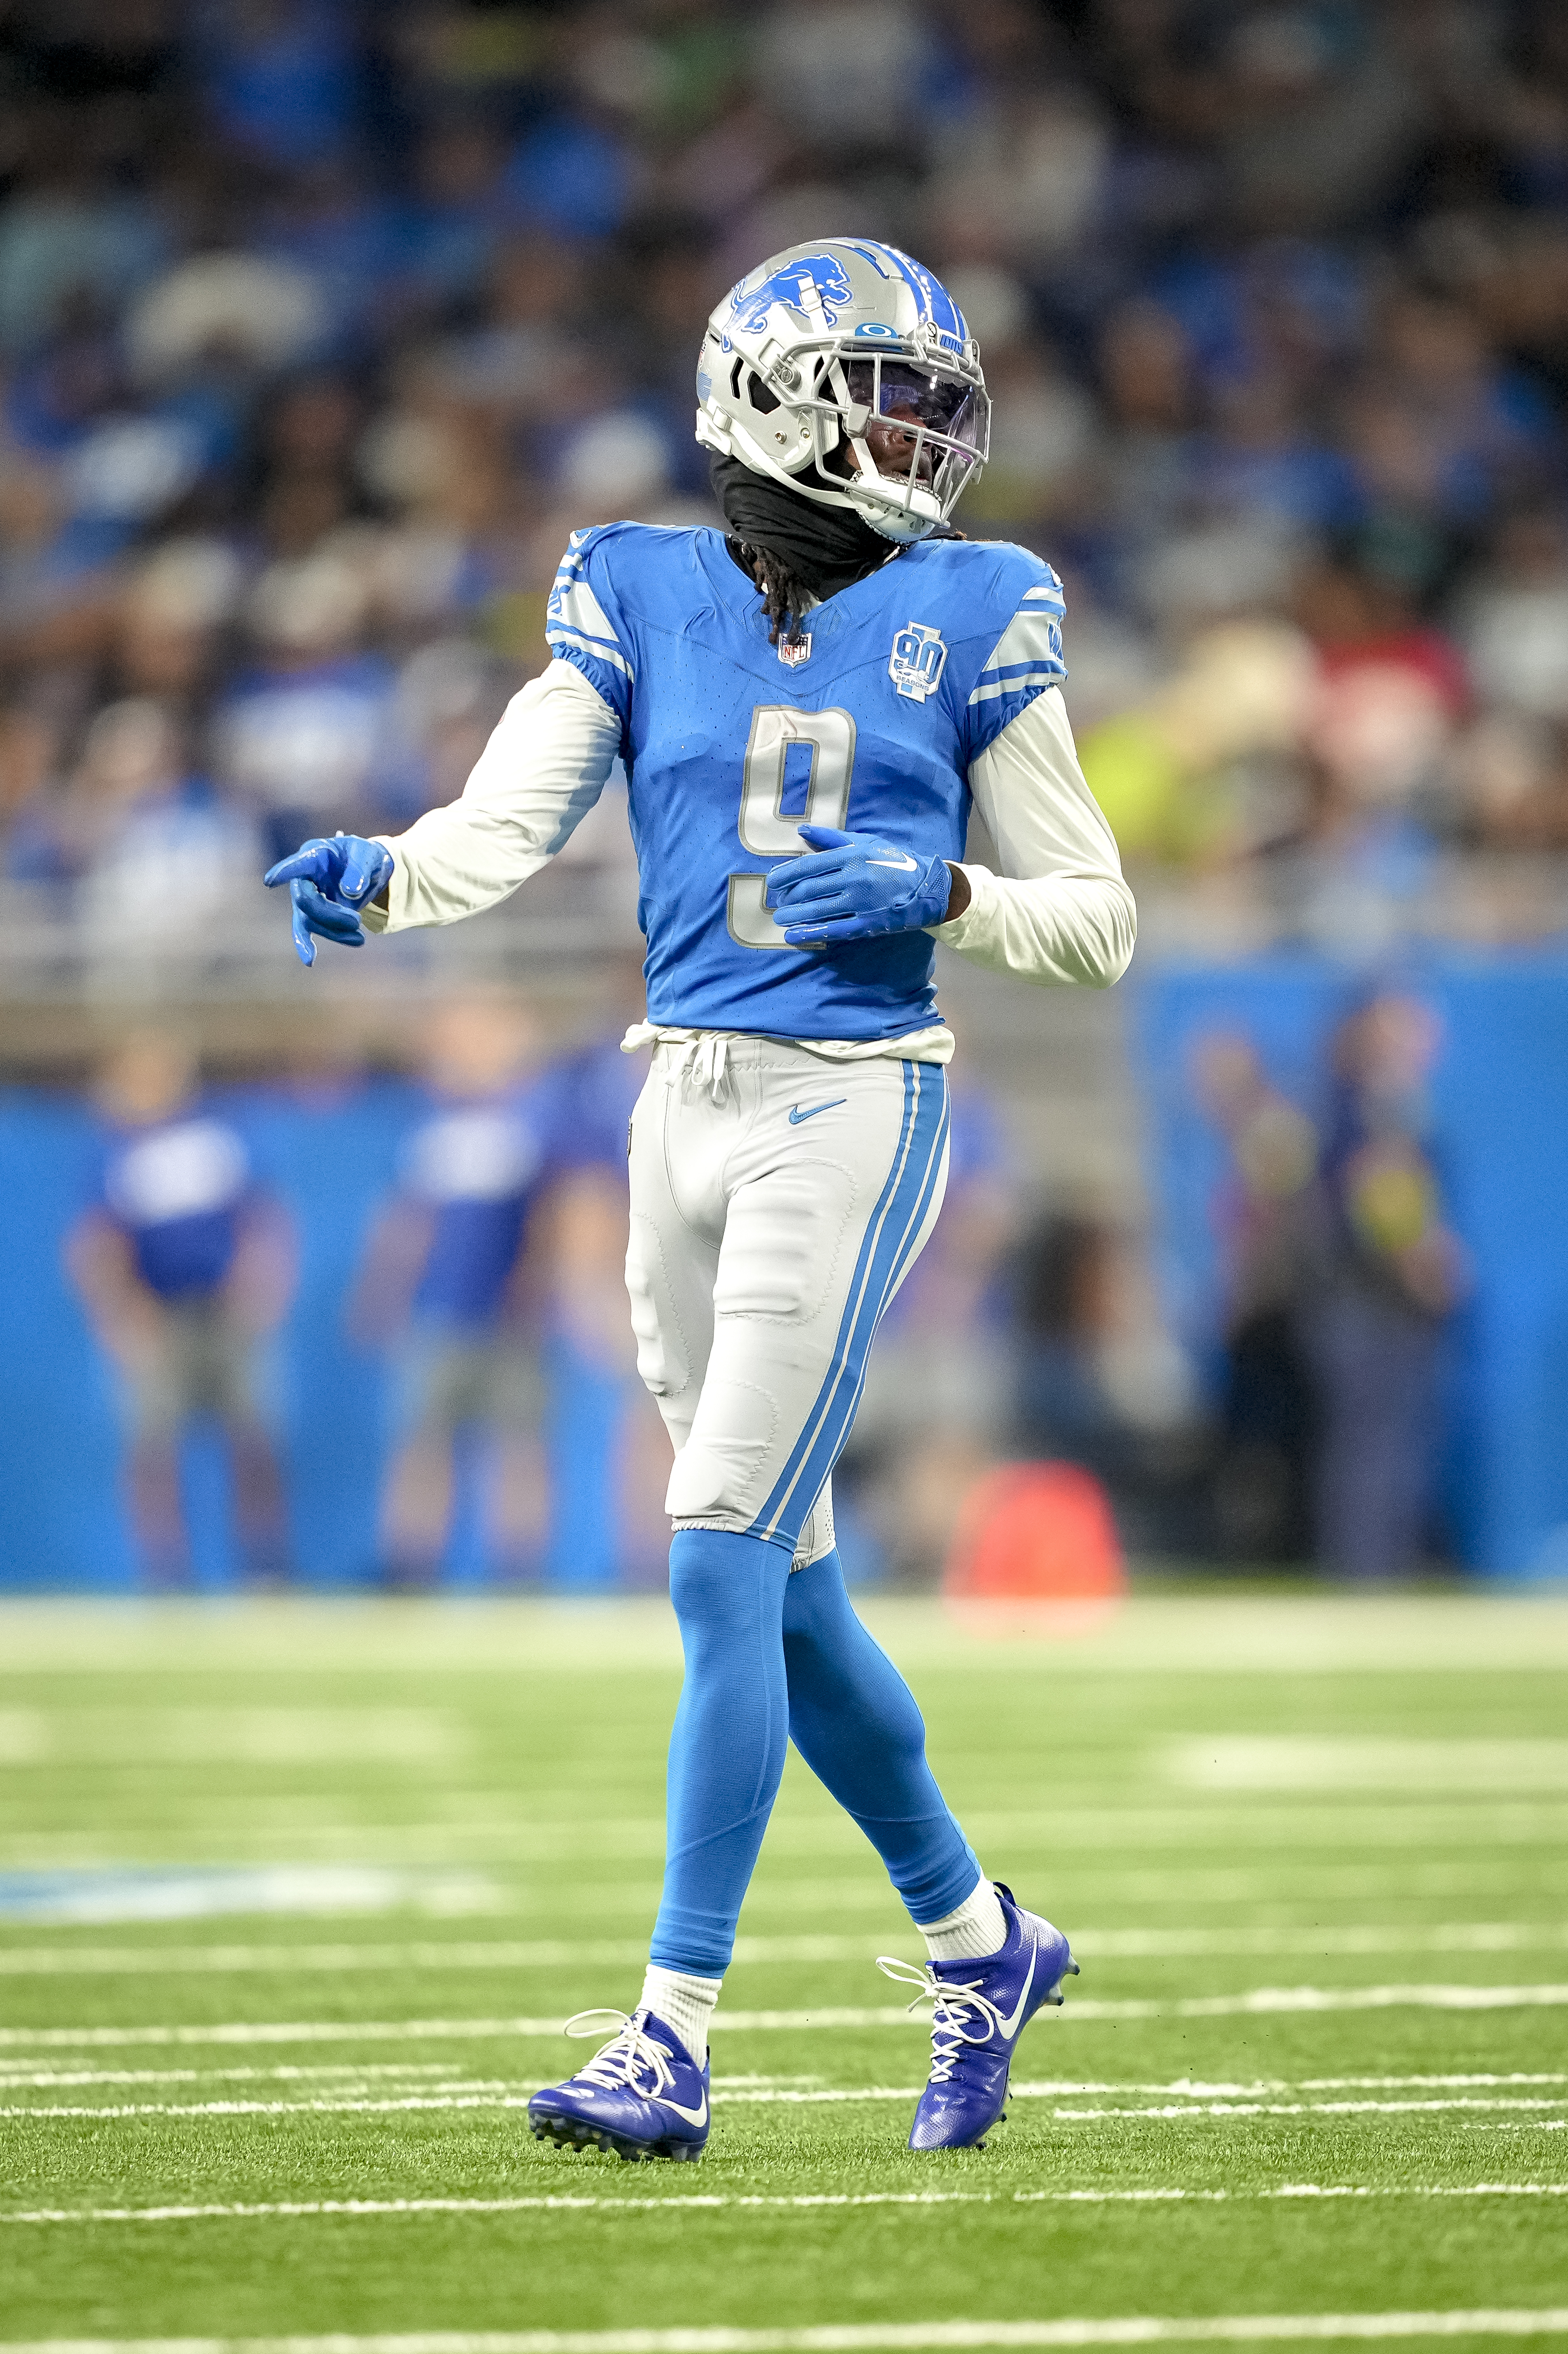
1030	647
558	636
1026	657
586	622
576	617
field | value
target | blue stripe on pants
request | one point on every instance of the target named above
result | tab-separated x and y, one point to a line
846	1403
797	1453
890	1237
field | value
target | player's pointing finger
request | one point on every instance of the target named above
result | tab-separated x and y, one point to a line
299	865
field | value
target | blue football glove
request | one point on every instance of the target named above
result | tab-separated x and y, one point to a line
329	882
855	886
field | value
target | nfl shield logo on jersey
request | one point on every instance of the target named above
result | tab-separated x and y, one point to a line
795	650
916	664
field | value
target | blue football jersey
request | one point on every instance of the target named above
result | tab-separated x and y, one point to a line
178	1191
478	1167
730	744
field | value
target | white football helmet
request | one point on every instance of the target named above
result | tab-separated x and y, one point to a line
843	362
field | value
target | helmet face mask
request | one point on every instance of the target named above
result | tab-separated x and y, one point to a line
845	371
926	426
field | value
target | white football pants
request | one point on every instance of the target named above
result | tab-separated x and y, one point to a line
778	1201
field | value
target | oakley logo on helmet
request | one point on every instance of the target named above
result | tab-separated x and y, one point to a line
929	338
818	271
916	661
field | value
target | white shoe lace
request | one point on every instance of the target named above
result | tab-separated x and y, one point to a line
954	2003
630	2062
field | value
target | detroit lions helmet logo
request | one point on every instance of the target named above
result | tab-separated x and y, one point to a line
817	270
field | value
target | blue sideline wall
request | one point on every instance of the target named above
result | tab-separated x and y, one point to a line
1501	1101
1500	1104
331	1161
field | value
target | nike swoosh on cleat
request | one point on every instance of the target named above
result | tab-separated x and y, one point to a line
796	1115
901	865
1010	2026
697	2116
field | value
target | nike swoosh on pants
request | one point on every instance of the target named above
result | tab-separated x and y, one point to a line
796	1115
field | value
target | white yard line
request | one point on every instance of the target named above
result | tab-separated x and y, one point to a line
1271	2108
1426	1765
1090	1945
347	2076
1421	1937
1297	1882
864	2338
397	2030
1255	1999
352	2077
138	1961
494	1835
516	2097
1426	1996
364	1640
330	2109
708	2202
837	1878
1378	2083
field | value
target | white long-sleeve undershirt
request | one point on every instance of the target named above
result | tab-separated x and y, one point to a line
1058	913
543	769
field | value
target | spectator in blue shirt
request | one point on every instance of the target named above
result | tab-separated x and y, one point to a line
303	738
1390	1274
184	1265
446	1288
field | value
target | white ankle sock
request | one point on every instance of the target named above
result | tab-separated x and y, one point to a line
978	1927
685	2003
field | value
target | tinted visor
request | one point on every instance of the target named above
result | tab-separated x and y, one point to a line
905	395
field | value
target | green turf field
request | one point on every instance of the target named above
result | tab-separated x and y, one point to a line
1311	1855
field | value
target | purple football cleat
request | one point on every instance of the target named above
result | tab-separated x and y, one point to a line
982	2009
642	2095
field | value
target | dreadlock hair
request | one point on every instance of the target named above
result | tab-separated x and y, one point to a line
785	599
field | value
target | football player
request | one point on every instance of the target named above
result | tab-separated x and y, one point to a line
808	706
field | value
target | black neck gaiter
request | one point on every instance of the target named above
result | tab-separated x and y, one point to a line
826	548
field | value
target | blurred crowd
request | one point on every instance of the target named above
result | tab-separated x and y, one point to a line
488	1267
1341	1276
321	324
466	1225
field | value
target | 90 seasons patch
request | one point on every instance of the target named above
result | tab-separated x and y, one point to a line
916	661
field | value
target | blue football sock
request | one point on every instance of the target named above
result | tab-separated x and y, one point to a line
726	1751
854	1720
